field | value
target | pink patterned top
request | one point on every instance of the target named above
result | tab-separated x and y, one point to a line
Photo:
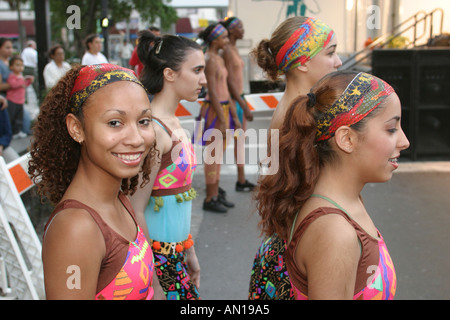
126	272
376	278
177	167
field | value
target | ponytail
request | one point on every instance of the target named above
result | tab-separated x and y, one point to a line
146	41
168	51
280	196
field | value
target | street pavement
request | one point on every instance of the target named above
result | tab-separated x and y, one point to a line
412	211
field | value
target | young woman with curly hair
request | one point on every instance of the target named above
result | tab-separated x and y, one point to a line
343	134
302	49
92	138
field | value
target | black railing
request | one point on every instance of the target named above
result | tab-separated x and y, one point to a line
413	21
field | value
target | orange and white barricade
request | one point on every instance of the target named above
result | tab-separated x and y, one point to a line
256	102
21	269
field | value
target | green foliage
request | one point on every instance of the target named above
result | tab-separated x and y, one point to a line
117	10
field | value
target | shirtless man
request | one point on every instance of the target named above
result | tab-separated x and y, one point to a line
235	67
218	111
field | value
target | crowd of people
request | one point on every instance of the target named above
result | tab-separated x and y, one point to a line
122	185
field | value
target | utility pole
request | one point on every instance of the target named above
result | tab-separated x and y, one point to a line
105	26
42	27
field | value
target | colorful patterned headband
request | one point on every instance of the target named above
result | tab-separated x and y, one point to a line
216	32
93	77
234	22
364	93
307	41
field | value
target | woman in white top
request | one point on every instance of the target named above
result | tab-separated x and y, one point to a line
56	68
93	55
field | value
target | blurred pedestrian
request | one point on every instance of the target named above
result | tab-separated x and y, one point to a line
96	121
30	62
56	68
219	113
303	49
126	49
136	58
235	67
16	95
6	51
6	151
173	70
343	134
93	55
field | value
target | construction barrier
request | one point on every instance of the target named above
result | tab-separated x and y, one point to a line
21	268
256	102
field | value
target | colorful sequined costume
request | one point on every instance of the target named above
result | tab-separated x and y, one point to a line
269	277
126	272
375	278
202	133
168	217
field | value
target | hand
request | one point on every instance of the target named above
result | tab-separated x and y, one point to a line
248	115
31	78
3	103
193	266
222	127
237	123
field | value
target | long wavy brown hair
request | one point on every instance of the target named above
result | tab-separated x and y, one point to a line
280	196
55	155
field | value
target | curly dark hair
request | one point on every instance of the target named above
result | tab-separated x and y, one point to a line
55	155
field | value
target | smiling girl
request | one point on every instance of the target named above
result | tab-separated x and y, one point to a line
92	138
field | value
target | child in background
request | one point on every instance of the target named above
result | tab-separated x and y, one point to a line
16	95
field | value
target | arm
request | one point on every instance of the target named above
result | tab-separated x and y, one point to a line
193	266
16	82
72	253
50	78
140	198
210	72
234	115
3	103
29	80
5	126
4	86
329	258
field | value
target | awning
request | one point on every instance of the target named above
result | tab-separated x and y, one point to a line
10	28
198	3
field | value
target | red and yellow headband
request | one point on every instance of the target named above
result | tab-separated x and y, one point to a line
93	77
307	41
364	93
